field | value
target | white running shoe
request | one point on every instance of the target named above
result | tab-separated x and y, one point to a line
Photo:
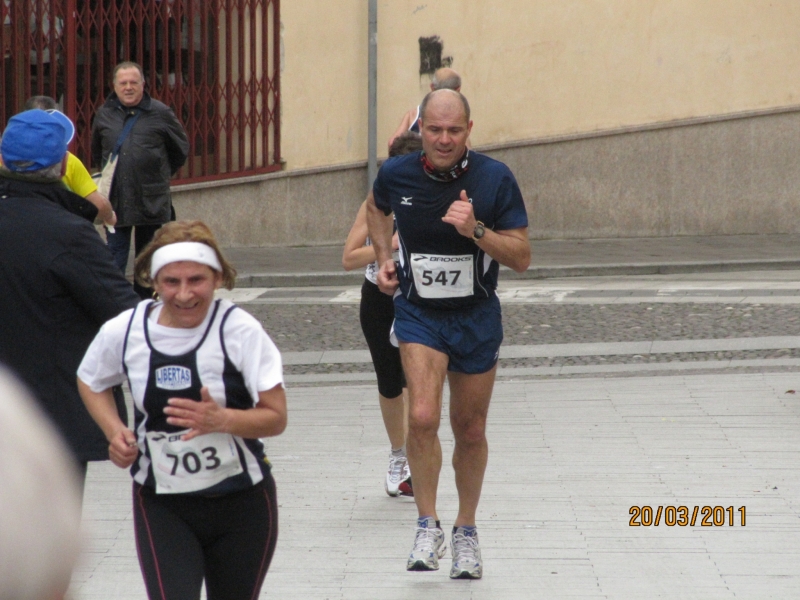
429	546
398	473
467	563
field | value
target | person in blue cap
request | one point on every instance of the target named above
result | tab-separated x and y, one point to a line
59	281
73	172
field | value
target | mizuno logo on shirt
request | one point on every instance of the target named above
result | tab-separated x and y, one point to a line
173	377
406	201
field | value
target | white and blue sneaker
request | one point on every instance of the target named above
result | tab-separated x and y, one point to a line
398	472
429	546
467	563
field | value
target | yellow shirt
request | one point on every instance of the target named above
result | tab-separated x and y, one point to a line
77	178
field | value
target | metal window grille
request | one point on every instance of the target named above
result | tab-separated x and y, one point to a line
215	62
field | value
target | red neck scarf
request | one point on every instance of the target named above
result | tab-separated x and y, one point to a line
453	173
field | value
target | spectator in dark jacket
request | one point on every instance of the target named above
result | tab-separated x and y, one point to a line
59	282
153	150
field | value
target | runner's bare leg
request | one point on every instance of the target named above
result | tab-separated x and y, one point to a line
425	370
469	405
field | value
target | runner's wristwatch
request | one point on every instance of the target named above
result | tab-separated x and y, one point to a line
478	232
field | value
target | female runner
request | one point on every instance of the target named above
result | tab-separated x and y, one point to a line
377	315
207	383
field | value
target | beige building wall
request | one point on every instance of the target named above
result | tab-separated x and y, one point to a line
323	82
532	69
620	118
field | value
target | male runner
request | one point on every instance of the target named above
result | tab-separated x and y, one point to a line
459	213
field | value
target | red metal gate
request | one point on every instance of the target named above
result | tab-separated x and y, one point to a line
215	62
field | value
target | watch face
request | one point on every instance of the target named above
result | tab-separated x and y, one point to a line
478	232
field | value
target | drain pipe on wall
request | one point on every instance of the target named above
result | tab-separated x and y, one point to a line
372	135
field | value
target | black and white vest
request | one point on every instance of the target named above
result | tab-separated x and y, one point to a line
210	464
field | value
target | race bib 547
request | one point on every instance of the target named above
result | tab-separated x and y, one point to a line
442	276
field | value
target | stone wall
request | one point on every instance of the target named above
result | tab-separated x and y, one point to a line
729	175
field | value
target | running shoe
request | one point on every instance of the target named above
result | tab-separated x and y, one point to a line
467	563
398	473
429	546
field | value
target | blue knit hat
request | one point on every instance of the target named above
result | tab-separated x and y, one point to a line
33	140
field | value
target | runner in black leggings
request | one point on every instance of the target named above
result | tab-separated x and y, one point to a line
207	384
377	315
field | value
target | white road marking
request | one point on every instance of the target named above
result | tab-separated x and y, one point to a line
241	295
762	287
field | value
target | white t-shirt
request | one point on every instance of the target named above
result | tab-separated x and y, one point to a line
220	463
249	348
371	272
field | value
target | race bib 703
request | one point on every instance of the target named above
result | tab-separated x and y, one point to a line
200	463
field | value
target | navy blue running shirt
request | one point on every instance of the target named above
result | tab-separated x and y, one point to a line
439	267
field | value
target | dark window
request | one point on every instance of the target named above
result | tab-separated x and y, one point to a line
215	62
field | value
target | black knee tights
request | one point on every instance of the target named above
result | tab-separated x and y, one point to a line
377	314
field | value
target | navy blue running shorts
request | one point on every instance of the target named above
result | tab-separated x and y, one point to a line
470	337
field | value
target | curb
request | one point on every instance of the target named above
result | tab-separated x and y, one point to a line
355	278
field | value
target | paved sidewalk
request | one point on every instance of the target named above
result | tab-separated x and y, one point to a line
570	457
321	265
569	460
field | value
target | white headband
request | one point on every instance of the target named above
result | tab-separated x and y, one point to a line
192	251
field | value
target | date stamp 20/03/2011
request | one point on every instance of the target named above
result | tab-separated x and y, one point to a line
682	516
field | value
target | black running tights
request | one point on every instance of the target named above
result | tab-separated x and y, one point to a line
377	315
227	540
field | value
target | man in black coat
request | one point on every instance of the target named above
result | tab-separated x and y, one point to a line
59	282
149	151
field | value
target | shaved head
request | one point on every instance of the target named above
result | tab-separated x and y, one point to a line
444	98
444	126
446	79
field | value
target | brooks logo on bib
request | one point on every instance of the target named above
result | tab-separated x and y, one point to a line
173	378
442	276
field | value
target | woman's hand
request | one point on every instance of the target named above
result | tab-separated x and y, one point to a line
266	418
201	417
122	448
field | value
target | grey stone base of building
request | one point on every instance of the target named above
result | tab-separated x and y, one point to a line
725	175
